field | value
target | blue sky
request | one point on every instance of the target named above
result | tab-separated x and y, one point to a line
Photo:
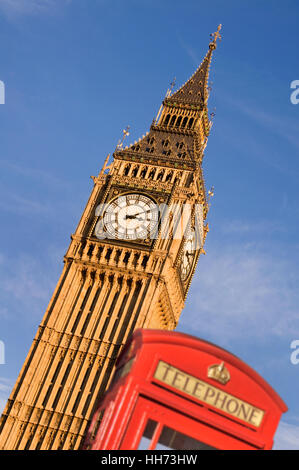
76	73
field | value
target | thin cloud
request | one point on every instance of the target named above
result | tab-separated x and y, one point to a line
21	205
2	404
5	389
43	205
285	127
239	227
190	51
12	8
38	175
286	437
26	288
277	124
245	288
5	385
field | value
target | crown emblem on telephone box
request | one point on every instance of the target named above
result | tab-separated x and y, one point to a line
219	372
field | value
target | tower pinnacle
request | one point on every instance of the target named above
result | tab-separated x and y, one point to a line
195	90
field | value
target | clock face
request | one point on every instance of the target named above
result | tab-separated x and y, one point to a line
188	255
130	217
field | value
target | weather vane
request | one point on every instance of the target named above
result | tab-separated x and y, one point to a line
211	193
172	84
213	113
121	141
168	93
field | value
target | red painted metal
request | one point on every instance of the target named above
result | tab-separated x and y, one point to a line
135	397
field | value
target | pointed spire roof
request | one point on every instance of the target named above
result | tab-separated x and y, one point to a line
195	90
177	146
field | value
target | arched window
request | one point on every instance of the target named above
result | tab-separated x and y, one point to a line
90	250
185	120
135	147
167	120
179	120
152	174
169	176
126	257
190	123
143	172
126	170
180	145
189	181
160	176
150	140
135	171
173	120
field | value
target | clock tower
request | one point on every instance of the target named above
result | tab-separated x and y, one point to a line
129	265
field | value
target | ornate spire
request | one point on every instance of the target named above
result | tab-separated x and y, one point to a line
195	90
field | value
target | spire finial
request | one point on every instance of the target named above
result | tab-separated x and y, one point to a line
214	37
210	194
121	141
172	84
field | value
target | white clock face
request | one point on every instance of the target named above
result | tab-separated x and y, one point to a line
188	255
131	216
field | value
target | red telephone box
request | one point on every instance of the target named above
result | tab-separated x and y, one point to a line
174	391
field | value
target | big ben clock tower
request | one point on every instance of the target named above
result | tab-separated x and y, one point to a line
129	265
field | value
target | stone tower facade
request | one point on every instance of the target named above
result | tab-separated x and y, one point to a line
129	265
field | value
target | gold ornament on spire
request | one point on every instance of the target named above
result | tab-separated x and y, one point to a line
168	94
121	141
211	193
172	84
214	37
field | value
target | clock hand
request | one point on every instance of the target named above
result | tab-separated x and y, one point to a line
144	212
135	215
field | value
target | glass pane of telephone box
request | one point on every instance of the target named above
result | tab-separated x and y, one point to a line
147	435
171	439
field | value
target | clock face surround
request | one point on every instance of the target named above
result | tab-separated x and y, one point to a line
132	216
188	255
